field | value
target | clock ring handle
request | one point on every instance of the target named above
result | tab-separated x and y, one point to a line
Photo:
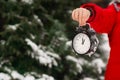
83	28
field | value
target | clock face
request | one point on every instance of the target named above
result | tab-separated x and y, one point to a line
81	43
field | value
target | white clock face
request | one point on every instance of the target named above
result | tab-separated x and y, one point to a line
81	43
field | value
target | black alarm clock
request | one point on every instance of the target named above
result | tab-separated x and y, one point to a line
85	40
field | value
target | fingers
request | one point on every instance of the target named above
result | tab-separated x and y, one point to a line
75	14
85	16
81	15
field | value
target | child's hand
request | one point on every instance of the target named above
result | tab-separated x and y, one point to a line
81	15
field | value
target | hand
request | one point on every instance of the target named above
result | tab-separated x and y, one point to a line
81	15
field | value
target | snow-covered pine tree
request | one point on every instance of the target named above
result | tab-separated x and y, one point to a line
35	42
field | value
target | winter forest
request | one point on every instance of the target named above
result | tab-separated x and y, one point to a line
35	42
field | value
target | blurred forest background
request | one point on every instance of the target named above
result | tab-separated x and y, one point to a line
35	42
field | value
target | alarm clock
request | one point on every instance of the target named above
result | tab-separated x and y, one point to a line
85	40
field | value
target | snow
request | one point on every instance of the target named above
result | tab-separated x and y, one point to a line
62	38
13	74
2	42
28	1
106	42
99	64
105	37
29	77
46	77
53	55
68	43
46	58
16	75
78	65
102	78
7	69
88	78
3	62
69	11
4	76
82	61
45	61
38	20
104	47
71	58
32	44
32	36
13	27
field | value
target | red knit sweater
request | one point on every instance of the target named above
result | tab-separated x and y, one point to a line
107	20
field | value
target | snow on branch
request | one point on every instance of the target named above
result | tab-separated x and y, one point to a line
38	20
28	1
46	77
78	65
13	27
4	76
17	76
98	64
88	78
46	58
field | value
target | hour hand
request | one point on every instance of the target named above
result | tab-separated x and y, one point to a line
83	41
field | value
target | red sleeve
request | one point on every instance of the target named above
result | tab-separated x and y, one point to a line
102	19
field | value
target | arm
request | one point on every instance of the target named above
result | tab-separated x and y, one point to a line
102	20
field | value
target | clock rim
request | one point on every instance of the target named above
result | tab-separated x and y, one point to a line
90	43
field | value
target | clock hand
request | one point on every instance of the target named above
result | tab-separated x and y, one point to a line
83	40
